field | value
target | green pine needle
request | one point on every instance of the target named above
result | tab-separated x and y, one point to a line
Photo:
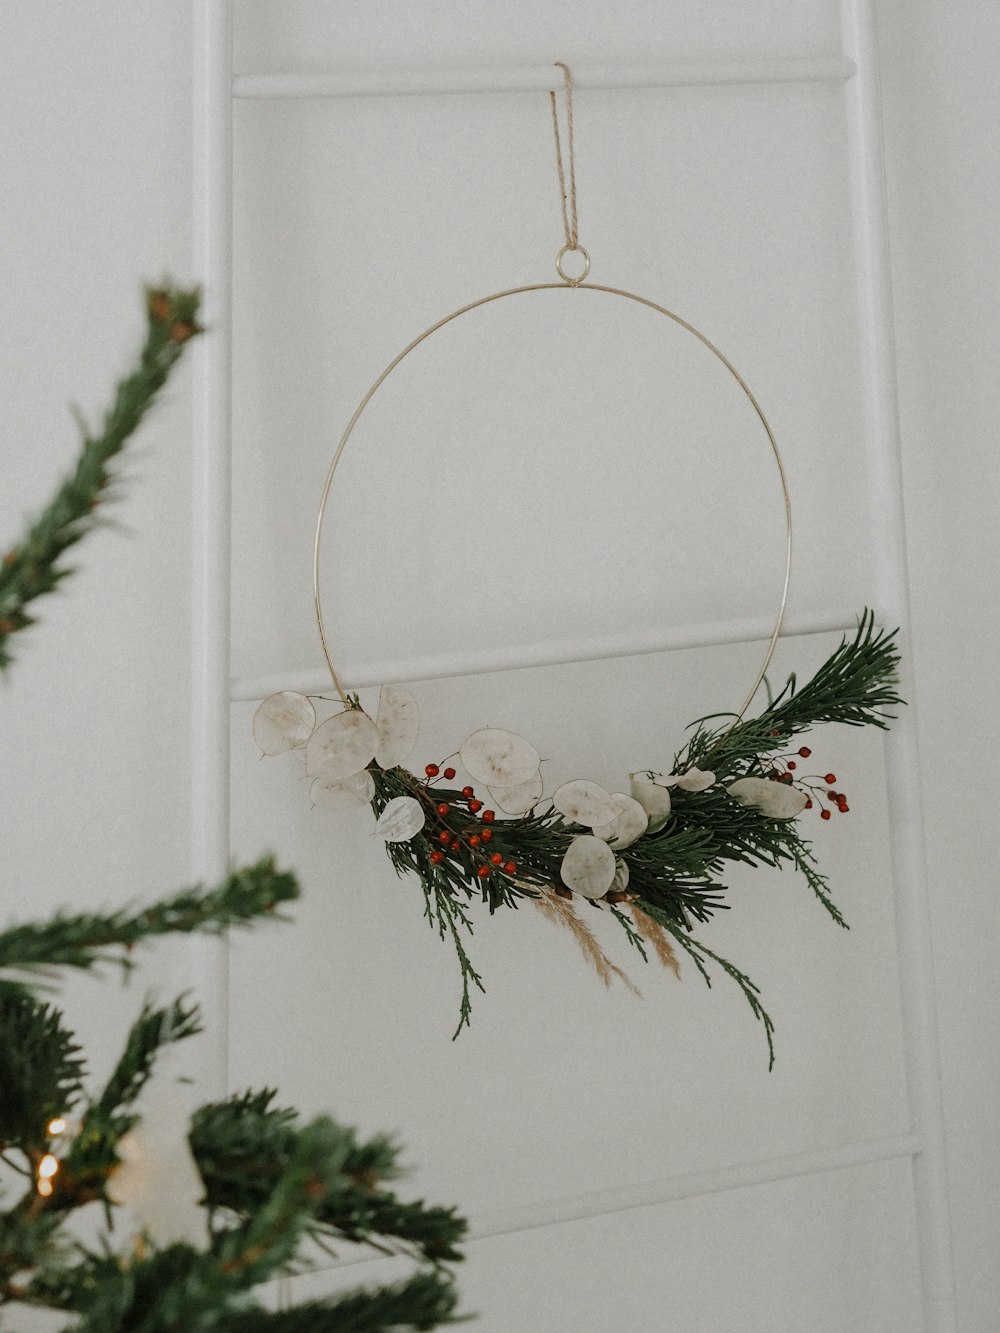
36	565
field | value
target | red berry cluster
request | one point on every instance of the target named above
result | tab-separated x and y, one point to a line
818	787
462	843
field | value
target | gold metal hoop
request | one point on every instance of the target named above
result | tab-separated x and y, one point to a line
567	285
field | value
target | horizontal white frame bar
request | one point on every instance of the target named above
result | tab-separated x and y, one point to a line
358	676
539	78
673	1189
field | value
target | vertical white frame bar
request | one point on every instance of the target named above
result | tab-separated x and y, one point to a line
916	962
211	500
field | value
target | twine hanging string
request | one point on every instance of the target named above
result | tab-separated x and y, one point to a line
567	198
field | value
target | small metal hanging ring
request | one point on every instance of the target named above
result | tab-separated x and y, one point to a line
566	277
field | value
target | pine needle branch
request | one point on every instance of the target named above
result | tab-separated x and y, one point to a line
242	1145
87	940
424	1301
35	565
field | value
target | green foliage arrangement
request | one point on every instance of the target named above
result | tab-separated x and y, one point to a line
264	1184
654	858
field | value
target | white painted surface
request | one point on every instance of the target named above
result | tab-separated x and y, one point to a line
361	225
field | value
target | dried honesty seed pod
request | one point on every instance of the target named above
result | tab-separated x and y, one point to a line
518	799
620	881
401	820
586	802
627	827
331	795
652	796
398	723
695	779
498	758
342	746
284	721
588	868
775	799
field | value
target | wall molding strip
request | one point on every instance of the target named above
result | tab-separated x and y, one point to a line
360	675
210	535
538	78
672	1189
906	833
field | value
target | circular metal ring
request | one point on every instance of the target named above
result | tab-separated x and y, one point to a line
571	250
565	286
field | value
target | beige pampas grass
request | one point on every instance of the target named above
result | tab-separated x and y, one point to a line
561	911
653	932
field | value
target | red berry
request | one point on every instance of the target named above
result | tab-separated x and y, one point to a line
844	808
483	872
510	868
432	770
830	777
488	816
474	806
497	859
792	764
449	773
436	857
825	814
487	834
475	840
444	836
833	796
809	804
442	809
804	753
467	791
786	778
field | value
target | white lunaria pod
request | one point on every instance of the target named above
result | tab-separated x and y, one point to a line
360	785
401	820
498	758
342	746
620	881
586	803
519	799
588	868
627	827
332	795
695	779
284	721
654	798
398	723
775	799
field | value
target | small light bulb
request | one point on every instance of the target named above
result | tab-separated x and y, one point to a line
45	1188
47	1167
57	1126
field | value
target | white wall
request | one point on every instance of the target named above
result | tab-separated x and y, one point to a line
95	767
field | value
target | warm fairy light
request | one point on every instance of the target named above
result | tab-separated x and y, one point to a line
57	1126
47	1167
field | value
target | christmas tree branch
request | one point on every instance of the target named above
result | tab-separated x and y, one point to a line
424	1301
243	1144
35	565
87	939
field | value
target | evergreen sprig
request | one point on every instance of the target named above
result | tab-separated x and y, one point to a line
244	1143
35	565
85	940
676	873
